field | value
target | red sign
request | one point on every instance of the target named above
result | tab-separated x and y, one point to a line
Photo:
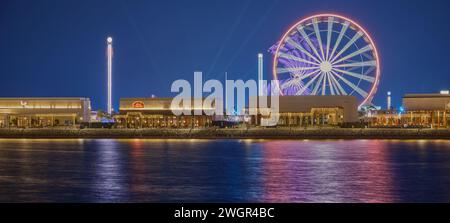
138	104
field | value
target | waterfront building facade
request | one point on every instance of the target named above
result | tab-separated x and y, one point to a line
43	112
302	111
427	109
156	113
419	110
383	118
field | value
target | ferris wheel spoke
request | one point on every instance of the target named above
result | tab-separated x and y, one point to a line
287	84
330	84
368	56
350	43
353	74
340	90
317	85
329	32
370	63
299	47
352	68
292	57
356	53
319	38
324	84
309	74
291	82
339	39
297	81
351	85
368	71
333	85
308	40
303	89
296	69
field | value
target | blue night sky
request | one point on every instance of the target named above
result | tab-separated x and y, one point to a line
56	48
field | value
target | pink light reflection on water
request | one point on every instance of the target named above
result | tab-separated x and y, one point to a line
327	171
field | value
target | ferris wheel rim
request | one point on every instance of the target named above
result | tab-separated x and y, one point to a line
373	89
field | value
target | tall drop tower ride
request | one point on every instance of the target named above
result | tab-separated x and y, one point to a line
260	75
109	41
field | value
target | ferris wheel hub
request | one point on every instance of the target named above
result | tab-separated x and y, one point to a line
326	67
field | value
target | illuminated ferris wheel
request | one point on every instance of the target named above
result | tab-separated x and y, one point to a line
327	54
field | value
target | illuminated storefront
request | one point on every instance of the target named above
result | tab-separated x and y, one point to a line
156	113
315	110
419	110
43	112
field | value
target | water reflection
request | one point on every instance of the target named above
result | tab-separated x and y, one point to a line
137	168
327	171
421	173
109	184
225	170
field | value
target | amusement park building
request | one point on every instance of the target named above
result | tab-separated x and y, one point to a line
315	110
43	112
420	110
156	113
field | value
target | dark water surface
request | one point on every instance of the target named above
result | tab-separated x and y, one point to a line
224	170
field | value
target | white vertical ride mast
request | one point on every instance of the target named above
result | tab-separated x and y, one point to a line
109	41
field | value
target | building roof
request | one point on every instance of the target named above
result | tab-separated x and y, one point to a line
426	96
140	99
45	98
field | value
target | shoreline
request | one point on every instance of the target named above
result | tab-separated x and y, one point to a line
212	133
